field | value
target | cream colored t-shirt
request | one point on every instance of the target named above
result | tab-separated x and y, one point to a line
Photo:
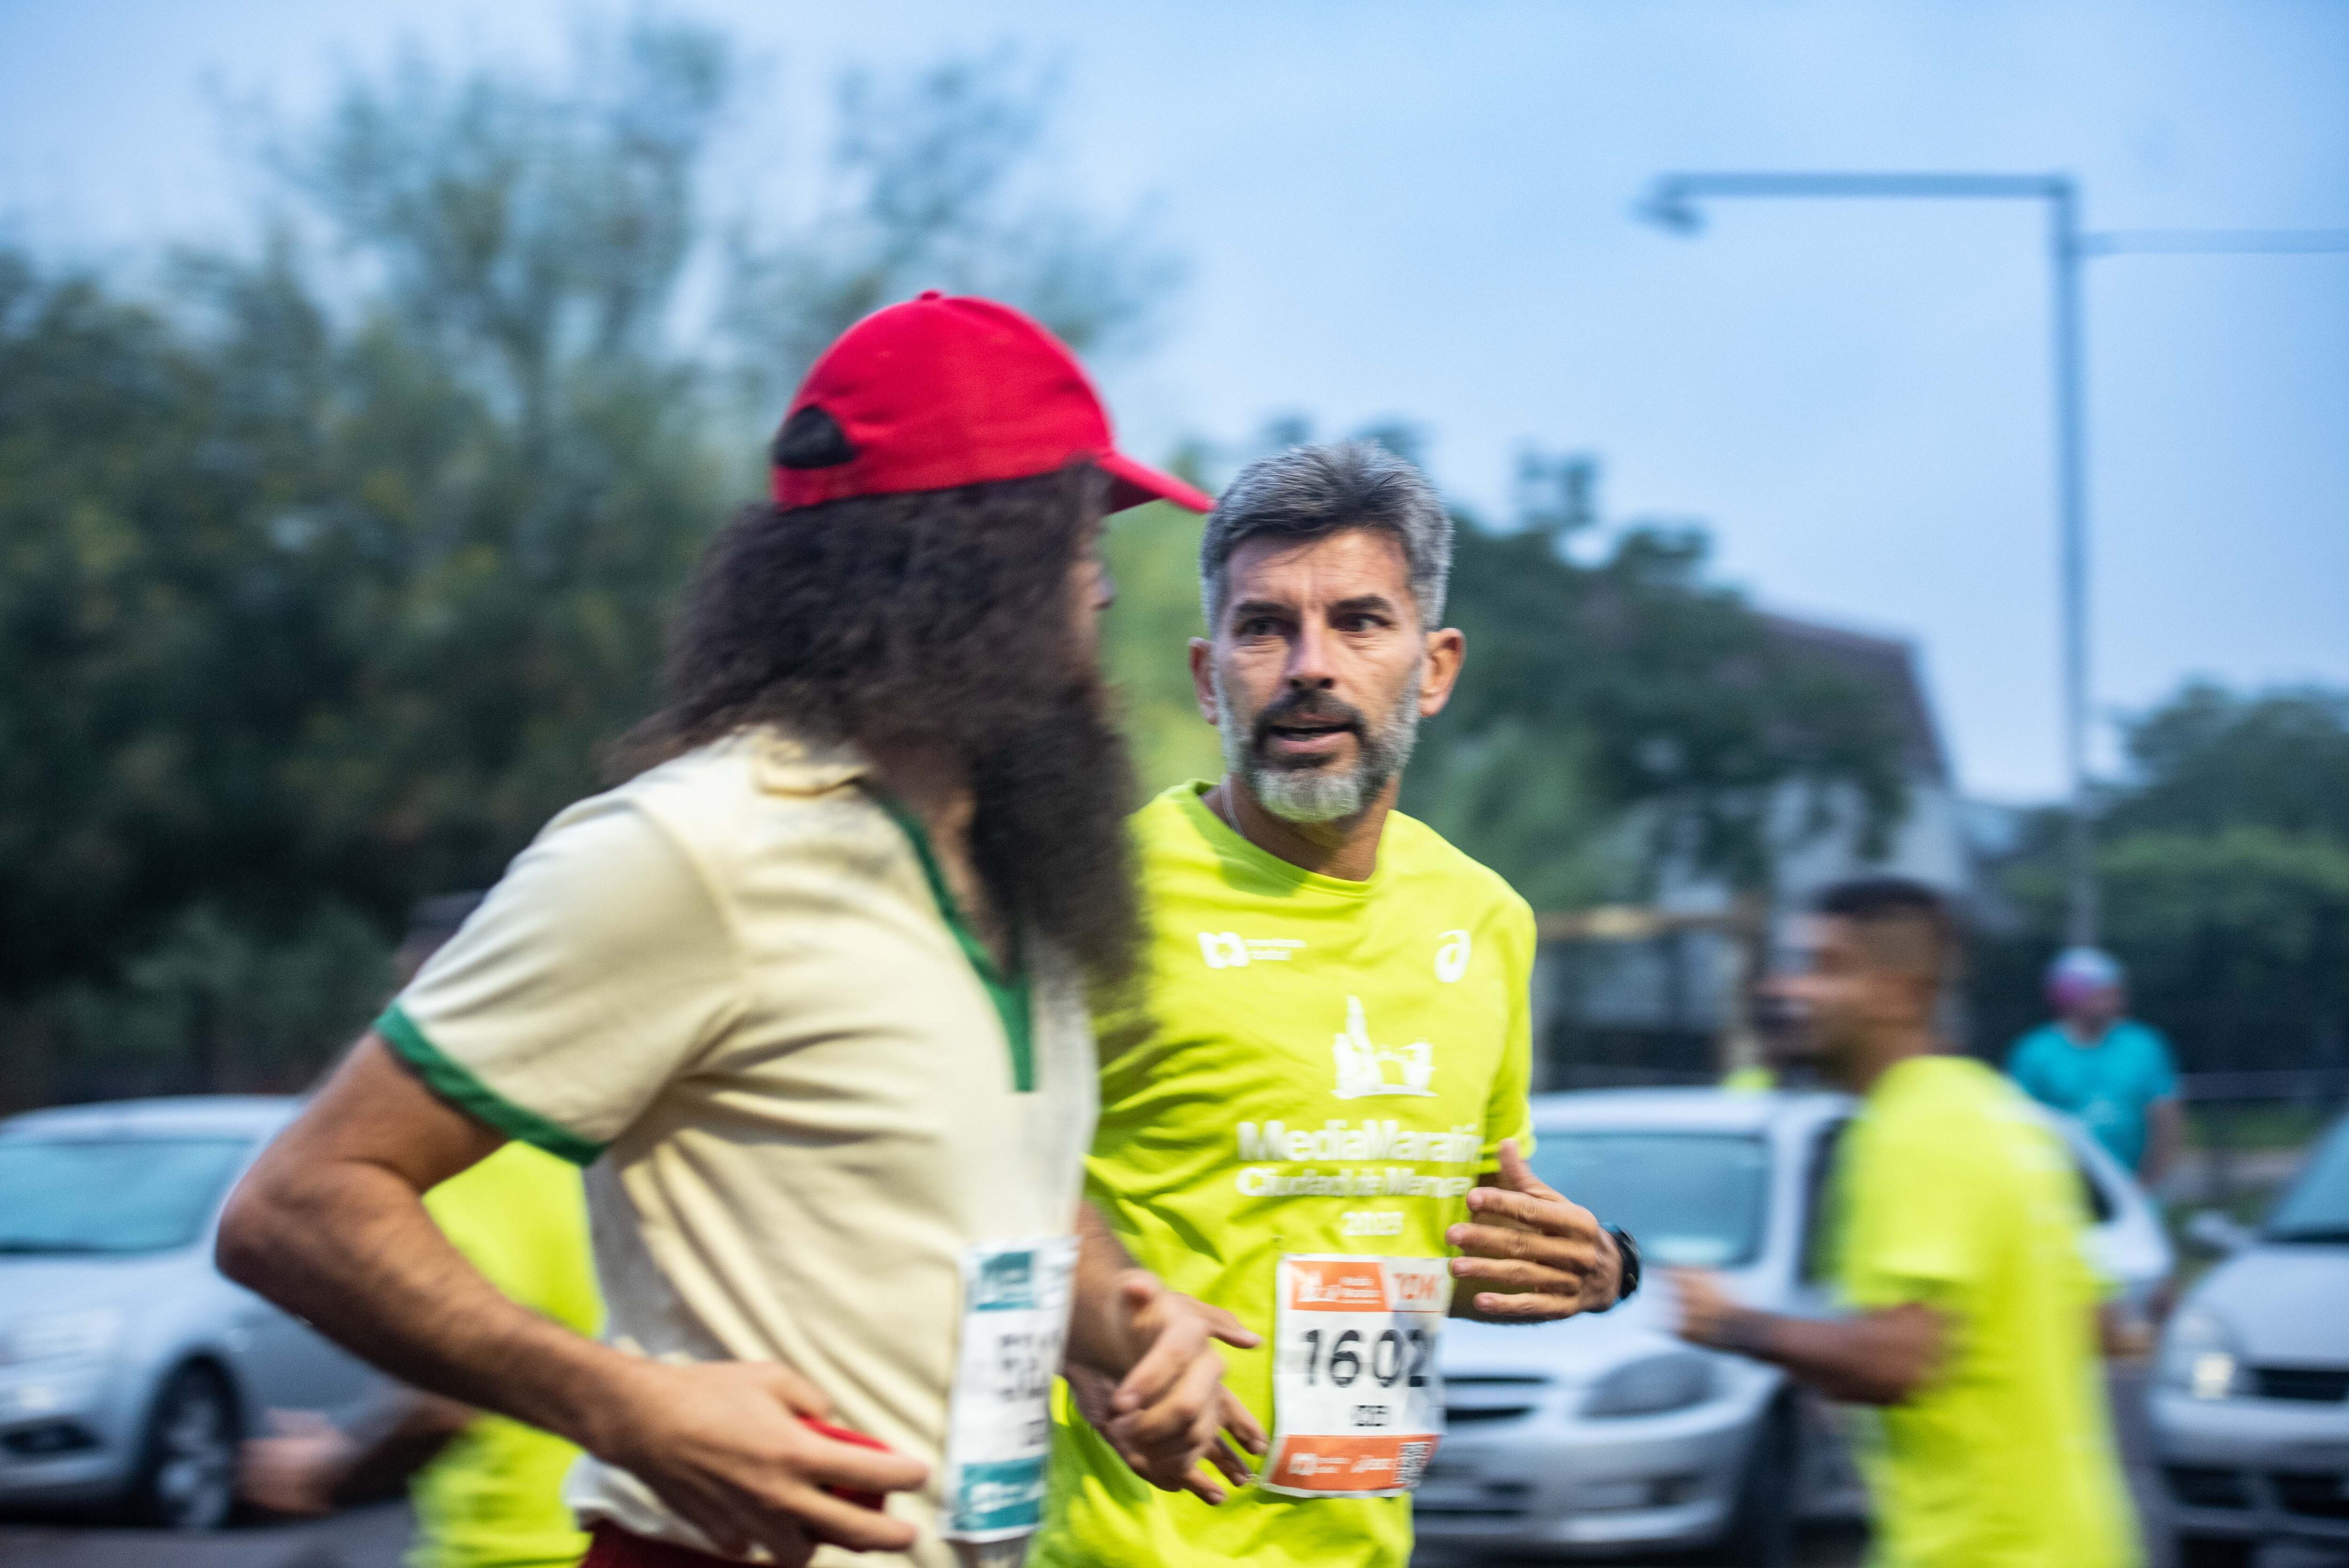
736	990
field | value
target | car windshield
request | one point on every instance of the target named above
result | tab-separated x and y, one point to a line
1692	1200
110	1194
2316	1208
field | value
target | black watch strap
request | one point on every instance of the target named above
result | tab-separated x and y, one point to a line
1631	1251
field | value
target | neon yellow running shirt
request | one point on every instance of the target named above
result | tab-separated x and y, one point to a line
493	1497
1953	1194
1321	1066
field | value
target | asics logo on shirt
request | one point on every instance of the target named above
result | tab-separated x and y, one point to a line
1364	1066
1230	950
1451	958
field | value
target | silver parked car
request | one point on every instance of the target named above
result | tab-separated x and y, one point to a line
1604	1434
128	1368
2250	1402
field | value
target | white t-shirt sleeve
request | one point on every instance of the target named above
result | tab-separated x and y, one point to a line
597	970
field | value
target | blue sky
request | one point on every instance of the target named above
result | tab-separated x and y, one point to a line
1423	209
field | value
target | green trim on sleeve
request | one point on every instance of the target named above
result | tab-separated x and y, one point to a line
454	1082
1009	993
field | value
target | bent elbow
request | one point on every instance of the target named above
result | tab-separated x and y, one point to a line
240	1246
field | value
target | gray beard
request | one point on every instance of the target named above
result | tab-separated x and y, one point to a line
1324	794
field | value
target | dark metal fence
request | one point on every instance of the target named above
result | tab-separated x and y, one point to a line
2301	1086
2249	1133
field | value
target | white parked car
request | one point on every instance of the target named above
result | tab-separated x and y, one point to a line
128	1366
2250	1401
1604	1434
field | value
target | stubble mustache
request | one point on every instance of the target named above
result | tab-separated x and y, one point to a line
1304	707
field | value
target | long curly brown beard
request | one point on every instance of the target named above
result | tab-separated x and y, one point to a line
936	615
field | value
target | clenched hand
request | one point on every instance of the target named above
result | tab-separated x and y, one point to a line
1170	1411
1536	1255
724	1445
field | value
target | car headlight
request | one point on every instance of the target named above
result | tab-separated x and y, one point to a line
1651	1386
60	1336
2200	1356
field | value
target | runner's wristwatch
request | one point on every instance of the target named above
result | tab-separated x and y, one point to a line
1631	1251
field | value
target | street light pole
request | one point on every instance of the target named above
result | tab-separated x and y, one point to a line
2080	913
1671	202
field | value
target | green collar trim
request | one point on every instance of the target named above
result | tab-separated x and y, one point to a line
1010	993
455	1082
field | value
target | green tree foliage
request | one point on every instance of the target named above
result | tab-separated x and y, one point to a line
1630	694
1152	552
167	641
1614	717
2208	758
332	573
933	184
2224	867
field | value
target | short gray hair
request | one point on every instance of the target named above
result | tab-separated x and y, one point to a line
1310	493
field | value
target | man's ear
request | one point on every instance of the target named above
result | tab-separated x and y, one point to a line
1203	678
1447	650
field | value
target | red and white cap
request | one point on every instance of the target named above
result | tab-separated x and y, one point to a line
939	392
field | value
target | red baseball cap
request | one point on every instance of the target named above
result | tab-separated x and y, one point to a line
939	392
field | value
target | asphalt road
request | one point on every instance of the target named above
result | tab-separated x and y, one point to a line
376	1537
362	1537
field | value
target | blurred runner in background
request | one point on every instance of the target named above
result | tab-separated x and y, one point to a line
487	1491
1786	1062
2113	1073
1956	1233
1331	1054
807	997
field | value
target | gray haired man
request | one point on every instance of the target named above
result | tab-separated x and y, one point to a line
1316	1119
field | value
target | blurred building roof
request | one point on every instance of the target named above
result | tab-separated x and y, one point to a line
1887	664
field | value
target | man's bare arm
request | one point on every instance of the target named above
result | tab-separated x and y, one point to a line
330	1223
1143	1367
307	1465
1879	1357
402	1438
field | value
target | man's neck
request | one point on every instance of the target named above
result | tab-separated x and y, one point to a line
1347	849
1884	1051
2086	1034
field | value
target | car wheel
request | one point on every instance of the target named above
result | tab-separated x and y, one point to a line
2216	1551
1761	1532
187	1465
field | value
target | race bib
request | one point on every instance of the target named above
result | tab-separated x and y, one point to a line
1356	1402
1015	1317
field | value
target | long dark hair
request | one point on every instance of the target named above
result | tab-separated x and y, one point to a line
939	615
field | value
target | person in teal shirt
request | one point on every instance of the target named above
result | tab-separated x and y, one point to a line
2111	1072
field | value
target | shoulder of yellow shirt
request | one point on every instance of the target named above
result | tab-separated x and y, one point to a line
1436	855
1418	848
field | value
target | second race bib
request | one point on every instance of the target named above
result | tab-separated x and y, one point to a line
1356	1402
1015	1317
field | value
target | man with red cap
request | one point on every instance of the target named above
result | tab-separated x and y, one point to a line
807	999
